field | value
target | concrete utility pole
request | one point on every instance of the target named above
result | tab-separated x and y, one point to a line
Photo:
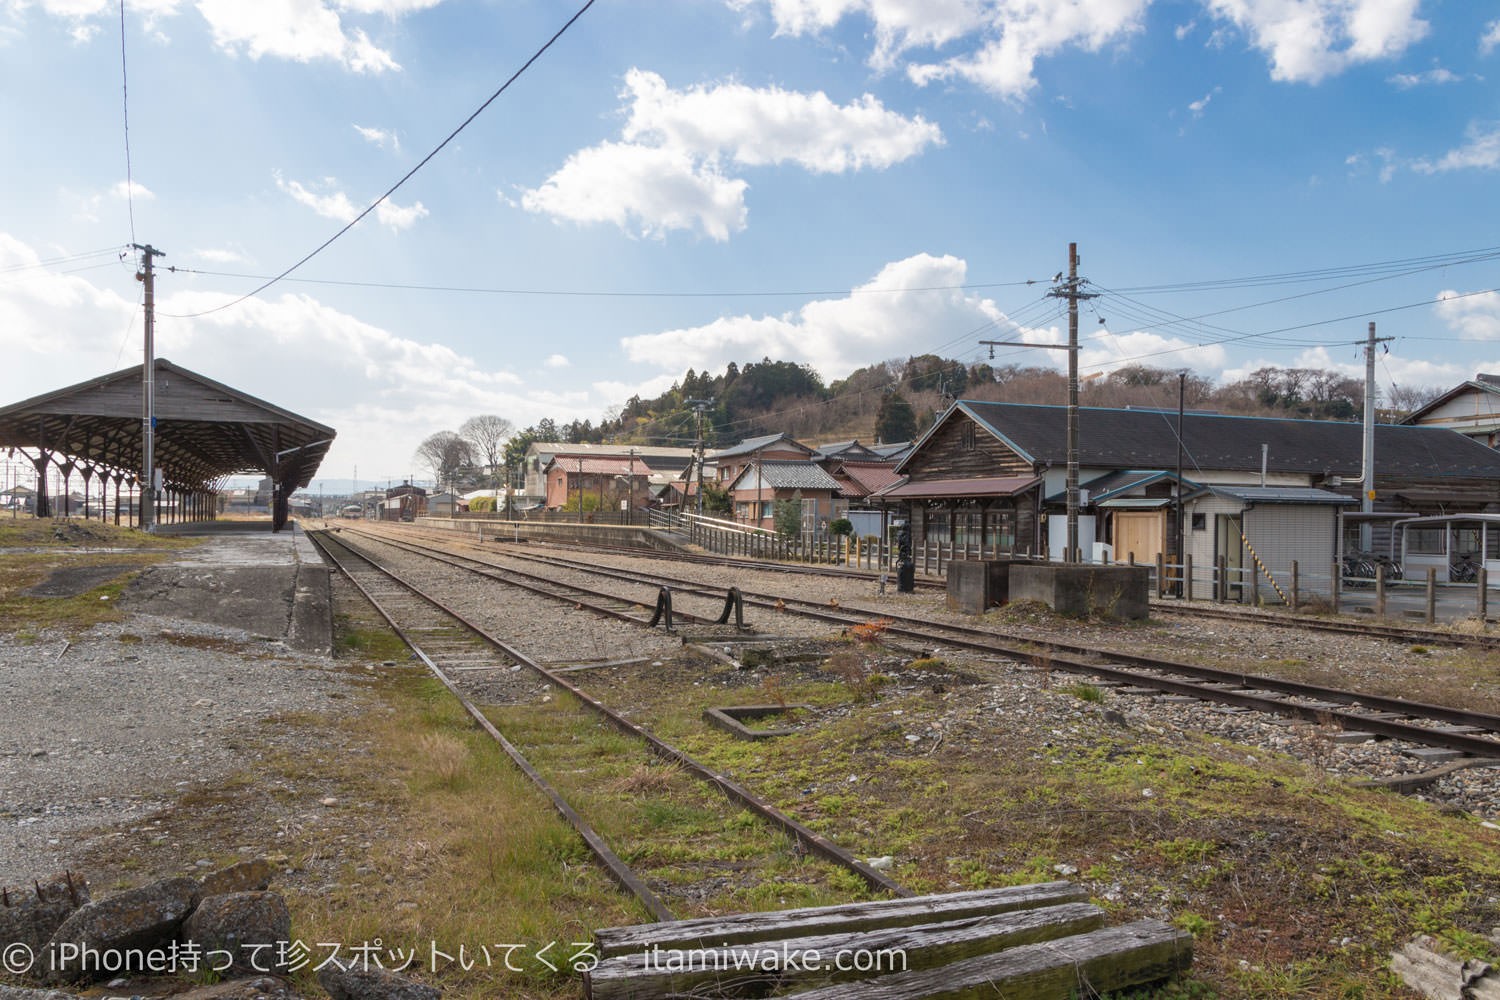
700	406
1367	484
630	491
1065	290
1069	290
148	421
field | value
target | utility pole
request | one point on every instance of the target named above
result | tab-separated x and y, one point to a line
700	406
1181	533
148	372
1069	290
630	491
1367	484
1065	289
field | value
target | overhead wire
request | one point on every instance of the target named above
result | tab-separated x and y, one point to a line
406	177
606	293
125	107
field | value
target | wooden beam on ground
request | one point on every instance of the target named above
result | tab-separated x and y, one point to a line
757	968
716	932
1085	965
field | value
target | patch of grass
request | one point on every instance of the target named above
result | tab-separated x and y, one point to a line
375	642
1420	650
20	571
1084	691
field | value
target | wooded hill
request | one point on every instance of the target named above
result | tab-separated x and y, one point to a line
897	400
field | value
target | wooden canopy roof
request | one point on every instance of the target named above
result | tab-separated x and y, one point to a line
204	429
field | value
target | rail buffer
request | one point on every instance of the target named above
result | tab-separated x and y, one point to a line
733	601
663	613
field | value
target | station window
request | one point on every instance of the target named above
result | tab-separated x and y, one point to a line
1200	522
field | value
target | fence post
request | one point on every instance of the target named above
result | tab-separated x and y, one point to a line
1335	583
1296	587
1431	595
1380	591
1161	575
1221	585
1254	588
1187	577
1482	599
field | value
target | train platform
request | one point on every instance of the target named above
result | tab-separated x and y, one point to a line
243	575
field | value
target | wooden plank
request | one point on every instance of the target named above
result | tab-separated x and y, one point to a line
1081	966
759	967
715	932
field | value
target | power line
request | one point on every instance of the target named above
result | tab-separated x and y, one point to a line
125	107
408	176
65	259
1429	262
603	293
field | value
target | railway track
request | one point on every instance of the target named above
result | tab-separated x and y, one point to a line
457	651
1371	628
1471	733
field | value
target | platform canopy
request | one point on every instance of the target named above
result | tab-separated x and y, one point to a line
205	431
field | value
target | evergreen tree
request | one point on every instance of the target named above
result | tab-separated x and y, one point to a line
896	421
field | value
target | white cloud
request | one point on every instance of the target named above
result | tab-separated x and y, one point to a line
644	188
361	379
337	206
380	137
298	30
1490	39
763	127
1474	317
557	361
1482	152
1105	351
81	207
1308	40
1305	40
1406	81
1018	33
615	393
1198	106
221	256
135	189
390	8
394	216
882	317
669	172
1394	367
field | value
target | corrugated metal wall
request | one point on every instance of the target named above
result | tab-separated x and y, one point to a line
1281	533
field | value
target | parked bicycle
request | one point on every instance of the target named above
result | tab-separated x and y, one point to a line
1464	569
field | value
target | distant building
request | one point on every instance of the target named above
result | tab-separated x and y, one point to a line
1472	408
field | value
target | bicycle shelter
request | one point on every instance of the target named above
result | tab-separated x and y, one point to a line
1455	545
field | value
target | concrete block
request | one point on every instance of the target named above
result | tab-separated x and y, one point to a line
1083	588
976	585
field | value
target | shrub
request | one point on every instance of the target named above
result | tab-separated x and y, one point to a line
841	526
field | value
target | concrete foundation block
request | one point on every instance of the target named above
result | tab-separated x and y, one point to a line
1083	588
976	585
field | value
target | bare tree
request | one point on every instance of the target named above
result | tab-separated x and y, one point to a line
1407	399
443	454
486	435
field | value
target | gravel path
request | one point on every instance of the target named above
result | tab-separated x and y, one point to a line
106	727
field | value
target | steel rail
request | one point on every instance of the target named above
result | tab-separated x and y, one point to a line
1045	651
1377	629
810	840
613	865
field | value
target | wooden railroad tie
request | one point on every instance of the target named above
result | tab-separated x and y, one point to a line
1021	942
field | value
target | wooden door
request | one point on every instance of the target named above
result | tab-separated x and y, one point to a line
1141	532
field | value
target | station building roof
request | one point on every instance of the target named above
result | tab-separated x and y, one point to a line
205	430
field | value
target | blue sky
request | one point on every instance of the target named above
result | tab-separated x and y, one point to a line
835	182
